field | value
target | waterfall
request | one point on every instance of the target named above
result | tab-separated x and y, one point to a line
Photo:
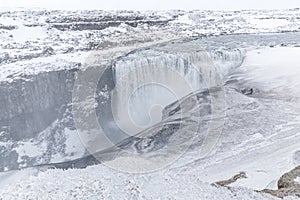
147	81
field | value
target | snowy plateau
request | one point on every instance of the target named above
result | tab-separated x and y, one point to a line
214	97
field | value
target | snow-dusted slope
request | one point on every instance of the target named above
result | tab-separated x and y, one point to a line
100	182
44	33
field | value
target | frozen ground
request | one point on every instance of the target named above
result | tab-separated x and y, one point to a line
260	135
31	34
99	182
257	128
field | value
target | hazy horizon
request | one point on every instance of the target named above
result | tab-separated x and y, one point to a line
150	5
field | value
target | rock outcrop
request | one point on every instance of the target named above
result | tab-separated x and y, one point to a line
287	185
231	180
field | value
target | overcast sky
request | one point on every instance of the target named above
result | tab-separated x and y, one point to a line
152	4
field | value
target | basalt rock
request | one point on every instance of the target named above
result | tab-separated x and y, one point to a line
287	185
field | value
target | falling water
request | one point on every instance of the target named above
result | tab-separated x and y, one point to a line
147	81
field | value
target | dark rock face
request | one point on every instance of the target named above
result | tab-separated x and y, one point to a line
84	26
7	27
31	104
81	23
37	109
287	185
288	179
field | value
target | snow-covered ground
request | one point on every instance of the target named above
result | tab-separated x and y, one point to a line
30	34
100	182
